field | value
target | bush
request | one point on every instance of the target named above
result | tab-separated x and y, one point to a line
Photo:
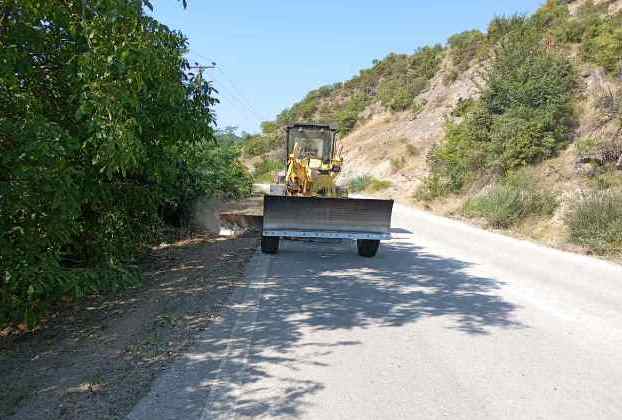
588	146
433	187
465	47
266	169
398	163
360	183
104	135
464	152
398	94
377	185
411	150
451	76
501	26
595	220
602	42
368	183
260	144
609	179
609	103
417	107
510	201
348	117
523	116
463	107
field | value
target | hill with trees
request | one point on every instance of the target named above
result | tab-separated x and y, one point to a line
518	127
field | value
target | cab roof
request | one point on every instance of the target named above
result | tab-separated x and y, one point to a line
312	126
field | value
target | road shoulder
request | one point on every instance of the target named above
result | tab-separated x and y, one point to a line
98	358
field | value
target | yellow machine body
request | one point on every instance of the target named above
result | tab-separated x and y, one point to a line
305	201
313	163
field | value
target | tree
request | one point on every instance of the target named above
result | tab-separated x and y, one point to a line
101	130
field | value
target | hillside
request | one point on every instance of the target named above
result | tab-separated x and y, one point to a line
517	128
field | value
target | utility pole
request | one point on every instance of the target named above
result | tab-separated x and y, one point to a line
199	67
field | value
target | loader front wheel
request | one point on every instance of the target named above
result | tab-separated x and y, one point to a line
269	244
367	247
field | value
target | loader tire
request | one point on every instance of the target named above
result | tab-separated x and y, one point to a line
367	247
269	244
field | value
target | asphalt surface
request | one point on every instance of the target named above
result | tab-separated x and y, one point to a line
448	321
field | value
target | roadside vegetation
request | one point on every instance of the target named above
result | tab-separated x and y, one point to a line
526	115
267	169
511	200
368	183
394	82
526	111
523	116
595	221
105	137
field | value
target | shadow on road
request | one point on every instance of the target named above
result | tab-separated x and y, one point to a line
315	287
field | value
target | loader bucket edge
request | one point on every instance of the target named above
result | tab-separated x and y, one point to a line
351	218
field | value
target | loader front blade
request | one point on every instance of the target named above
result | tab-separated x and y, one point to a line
344	218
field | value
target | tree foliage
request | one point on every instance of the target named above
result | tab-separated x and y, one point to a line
394	81
523	116
465	47
103	132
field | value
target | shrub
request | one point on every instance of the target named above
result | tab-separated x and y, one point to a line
609	102
411	150
463	154
434	186
517	140
451	76
416	107
463	107
349	115
360	183
553	16
609	179
377	185
465	47
261	144
527	75
266	169
602	42
368	183
501	26
595	220
523	116
510	201
104	135
588	146
398	163
399	94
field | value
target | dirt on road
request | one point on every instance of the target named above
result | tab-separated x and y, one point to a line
96	359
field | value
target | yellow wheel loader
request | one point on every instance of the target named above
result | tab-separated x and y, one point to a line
306	202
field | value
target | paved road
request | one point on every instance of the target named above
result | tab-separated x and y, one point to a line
447	322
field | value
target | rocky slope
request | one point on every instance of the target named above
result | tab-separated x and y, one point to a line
393	139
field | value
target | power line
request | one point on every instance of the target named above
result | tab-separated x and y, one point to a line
225	94
239	100
244	106
235	91
230	82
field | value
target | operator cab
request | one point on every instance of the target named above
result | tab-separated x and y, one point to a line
316	141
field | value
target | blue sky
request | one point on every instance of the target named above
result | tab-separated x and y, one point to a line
270	53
